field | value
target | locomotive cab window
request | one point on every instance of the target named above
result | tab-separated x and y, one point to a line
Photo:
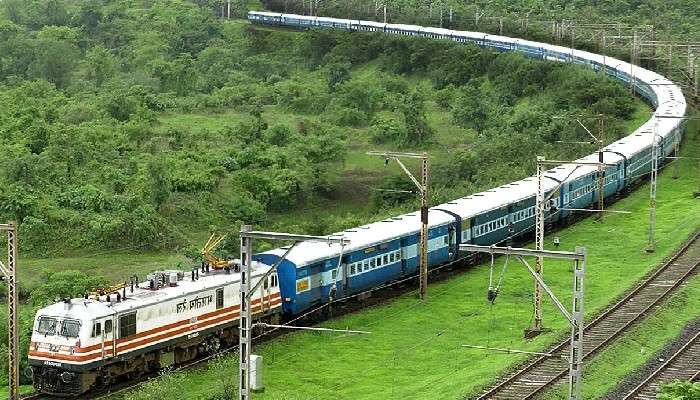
70	328
47	326
220	297
108	326
127	325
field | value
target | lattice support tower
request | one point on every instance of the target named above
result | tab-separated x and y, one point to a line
539	242
9	273
575	317
424	228
651	243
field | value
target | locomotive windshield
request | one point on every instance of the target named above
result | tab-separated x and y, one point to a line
47	326
70	328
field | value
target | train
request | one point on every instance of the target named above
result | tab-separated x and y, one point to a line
173	316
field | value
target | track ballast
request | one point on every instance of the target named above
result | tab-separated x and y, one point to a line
544	372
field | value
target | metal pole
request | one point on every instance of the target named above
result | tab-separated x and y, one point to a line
422	187
245	331
13	338
601	170
575	318
228	9
576	347
424	228
539	244
651	245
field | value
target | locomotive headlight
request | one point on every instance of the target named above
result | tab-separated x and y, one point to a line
32	346
67	377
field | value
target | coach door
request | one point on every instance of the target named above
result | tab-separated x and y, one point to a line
404	256
105	330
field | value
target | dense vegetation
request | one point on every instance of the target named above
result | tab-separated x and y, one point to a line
91	162
131	124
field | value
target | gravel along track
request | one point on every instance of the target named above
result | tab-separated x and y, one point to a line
683	365
543	372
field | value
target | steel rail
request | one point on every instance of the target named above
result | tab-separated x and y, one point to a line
551	378
648	384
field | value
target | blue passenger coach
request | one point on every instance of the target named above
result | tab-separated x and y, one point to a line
315	273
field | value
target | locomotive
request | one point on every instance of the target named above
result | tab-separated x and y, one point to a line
172	317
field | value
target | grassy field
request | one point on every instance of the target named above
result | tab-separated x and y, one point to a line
609	367
414	350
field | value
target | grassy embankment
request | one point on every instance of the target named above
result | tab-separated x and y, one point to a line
633	350
414	350
609	367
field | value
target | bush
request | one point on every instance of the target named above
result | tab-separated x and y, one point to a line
679	390
387	129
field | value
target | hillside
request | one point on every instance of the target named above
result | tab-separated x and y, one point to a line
143	129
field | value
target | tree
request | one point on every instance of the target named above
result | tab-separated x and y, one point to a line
471	109
18	201
337	73
100	65
158	181
394	190
57	54
413	109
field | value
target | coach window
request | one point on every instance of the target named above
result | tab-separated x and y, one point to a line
386	259
108	326
127	325
220	297
96	329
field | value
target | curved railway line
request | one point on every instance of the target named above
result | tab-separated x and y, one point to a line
684	364
627	155
544	372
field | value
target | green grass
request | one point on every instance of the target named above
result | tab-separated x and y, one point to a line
609	367
23	390
414	350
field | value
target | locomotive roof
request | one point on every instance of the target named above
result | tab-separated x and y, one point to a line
83	309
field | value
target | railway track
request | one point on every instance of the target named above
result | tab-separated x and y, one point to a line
543	372
684	364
